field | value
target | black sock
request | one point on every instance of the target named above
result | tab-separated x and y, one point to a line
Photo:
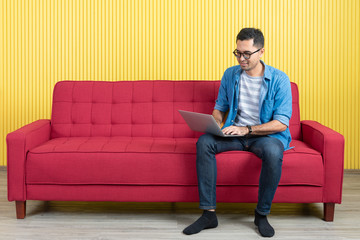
207	220
265	229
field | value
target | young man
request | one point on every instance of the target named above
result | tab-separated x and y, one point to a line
259	104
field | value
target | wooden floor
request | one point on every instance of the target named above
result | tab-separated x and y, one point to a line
113	220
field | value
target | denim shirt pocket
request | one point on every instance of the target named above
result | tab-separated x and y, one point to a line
267	110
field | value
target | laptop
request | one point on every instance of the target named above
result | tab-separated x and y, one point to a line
201	122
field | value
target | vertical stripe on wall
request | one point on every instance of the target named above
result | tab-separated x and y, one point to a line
315	42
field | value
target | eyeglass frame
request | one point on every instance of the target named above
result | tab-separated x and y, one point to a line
243	54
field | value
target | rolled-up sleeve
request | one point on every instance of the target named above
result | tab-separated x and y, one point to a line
283	101
222	102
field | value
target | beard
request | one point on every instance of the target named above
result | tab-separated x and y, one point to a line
247	66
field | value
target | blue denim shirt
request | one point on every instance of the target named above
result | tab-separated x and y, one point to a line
275	99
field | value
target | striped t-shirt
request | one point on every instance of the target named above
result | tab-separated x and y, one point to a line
249	100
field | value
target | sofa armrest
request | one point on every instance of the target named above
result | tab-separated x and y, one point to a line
331	145
19	143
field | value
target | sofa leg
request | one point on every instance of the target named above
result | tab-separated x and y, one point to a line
20	209
329	209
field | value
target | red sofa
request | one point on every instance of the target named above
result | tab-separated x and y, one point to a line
125	141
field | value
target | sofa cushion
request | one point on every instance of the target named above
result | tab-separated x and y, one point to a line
126	161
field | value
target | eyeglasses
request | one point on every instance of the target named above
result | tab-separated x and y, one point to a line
246	55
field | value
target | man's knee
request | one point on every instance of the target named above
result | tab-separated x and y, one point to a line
273	151
205	141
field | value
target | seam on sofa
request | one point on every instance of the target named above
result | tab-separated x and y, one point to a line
110	152
152	144
285	153
152	110
303	153
98	151
173	108
132	104
91	110
111	110
121	184
85	141
146	152
72	105
102	147
176	143
128	143
165	184
55	145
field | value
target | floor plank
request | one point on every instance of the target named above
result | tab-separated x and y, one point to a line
113	220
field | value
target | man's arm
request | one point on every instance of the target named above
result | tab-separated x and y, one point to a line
268	128
219	116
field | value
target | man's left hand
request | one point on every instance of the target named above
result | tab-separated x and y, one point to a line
235	130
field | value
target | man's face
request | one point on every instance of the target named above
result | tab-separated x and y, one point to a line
247	46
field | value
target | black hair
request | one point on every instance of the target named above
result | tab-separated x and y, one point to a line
251	33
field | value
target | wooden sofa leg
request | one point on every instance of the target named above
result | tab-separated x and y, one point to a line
20	209
329	209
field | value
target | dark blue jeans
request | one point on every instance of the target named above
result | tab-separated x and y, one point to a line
270	150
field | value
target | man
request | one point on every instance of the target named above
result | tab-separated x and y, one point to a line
259	104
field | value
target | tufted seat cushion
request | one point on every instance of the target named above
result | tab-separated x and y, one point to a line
126	161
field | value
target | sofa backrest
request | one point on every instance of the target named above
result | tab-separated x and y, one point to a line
132	108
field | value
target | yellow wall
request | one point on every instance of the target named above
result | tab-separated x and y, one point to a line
316	42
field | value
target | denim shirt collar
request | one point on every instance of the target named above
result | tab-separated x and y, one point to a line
267	73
